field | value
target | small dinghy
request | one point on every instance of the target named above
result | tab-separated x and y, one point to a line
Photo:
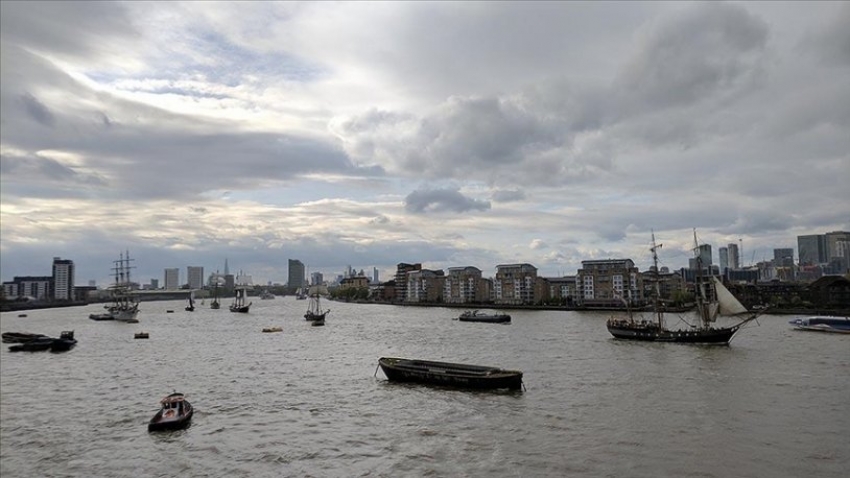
269	330
449	374
141	335
176	413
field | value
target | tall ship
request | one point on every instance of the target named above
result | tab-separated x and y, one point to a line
314	312
238	304
713	300
125	305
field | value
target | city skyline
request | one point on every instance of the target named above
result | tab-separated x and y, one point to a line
716	257
376	133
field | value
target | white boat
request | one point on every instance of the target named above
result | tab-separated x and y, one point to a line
823	323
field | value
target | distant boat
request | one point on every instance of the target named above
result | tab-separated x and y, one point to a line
266	295
191	306
215	304
20	337
104	316
175	413
141	335
450	374
272	329
238	304
39	343
709	306
65	342
480	316
823	323
125	306
314	312
301	294
36	345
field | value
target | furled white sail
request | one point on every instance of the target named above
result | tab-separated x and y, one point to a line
729	305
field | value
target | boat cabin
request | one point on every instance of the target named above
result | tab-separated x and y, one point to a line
172	404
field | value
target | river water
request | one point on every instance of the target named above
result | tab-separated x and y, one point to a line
308	401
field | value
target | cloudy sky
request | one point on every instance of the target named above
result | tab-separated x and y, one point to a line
451	134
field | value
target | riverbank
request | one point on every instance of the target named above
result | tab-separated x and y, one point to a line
843	312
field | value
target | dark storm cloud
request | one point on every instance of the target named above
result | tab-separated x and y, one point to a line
442	200
39	176
70	29
37	111
710	48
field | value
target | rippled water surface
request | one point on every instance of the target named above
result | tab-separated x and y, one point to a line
308	401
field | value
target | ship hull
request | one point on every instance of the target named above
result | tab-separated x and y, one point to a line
720	336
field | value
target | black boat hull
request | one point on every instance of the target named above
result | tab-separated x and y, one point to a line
450	374
489	320
314	317
37	345
720	336
62	345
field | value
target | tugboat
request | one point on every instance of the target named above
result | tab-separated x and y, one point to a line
65	342
175	413
709	307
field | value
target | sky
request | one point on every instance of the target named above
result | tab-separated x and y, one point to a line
449	134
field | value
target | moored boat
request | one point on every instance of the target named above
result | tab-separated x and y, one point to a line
175	413
482	316
104	316
823	323
20	337
449	374
36	345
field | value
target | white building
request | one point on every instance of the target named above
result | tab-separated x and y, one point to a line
195	276
172	278
63	279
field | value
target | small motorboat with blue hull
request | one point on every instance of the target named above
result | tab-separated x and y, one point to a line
822	323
